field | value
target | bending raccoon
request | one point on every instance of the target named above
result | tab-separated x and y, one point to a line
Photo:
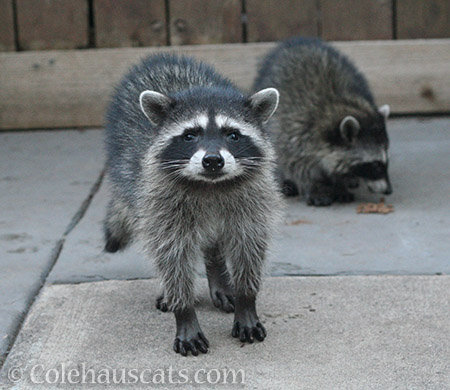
327	130
192	175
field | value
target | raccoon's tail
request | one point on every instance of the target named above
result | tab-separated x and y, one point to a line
116	226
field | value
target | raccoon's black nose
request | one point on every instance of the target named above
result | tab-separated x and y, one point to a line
213	162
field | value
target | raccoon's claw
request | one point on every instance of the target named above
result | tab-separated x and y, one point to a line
161	305
324	200
194	344
249	332
345	197
223	301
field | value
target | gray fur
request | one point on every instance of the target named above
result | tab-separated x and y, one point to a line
179	221
317	149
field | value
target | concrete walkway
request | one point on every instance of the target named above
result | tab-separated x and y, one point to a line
53	201
352	332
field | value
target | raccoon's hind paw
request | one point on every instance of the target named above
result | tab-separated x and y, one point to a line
161	305
344	197
319	200
289	188
223	300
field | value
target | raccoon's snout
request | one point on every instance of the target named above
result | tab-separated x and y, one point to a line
381	186
213	162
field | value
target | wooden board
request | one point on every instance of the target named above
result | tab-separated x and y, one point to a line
269	20
125	23
195	22
356	19
52	24
71	88
423	19
6	26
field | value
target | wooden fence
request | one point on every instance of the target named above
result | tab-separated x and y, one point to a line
77	24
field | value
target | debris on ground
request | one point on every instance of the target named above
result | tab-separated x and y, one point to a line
375	208
298	222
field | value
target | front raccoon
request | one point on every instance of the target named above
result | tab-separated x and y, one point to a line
327	130
191	173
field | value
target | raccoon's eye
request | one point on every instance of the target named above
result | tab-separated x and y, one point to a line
189	137
234	136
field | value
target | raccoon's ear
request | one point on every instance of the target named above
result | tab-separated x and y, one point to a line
384	110
349	128
264	103
154	105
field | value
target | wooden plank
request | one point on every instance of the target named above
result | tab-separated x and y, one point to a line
71	88
195	22
125	23
6	26
269	20
355	19
52	24
423	19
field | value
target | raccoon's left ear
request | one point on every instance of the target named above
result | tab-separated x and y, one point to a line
349	128
384	110
154	105
264	103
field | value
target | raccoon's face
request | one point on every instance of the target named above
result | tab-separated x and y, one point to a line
364	150
212	146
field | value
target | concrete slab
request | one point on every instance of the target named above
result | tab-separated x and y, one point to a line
353	332
333	240
44	178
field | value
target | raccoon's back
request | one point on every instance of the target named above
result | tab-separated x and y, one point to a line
128	131
309	75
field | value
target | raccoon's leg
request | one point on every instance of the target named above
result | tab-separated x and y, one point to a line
220	286
247	260
177	271
116	226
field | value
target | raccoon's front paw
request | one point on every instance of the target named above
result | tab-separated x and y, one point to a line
161	305
289	188
248	329
319	200
193	340
344	197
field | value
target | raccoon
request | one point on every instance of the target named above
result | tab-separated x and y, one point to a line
192	174
328	132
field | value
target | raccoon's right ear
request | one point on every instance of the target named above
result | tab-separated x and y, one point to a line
155	105
264	103
349	128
